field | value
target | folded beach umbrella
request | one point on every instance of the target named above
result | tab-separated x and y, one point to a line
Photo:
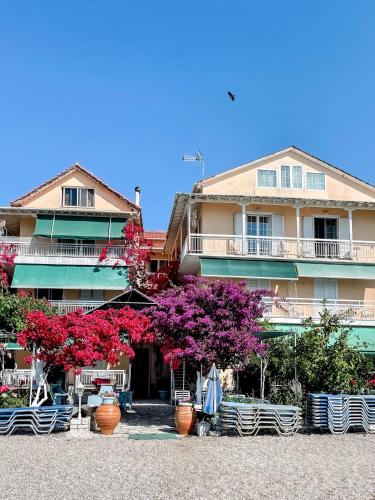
214	392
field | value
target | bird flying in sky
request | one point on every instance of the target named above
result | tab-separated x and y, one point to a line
231	95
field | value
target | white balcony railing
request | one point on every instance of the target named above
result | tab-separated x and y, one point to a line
299	308
269	246
27	247
67	306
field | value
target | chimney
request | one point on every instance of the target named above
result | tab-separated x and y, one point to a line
137	190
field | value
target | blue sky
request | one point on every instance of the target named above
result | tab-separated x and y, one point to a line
126	87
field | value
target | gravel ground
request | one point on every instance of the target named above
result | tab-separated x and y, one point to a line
303	466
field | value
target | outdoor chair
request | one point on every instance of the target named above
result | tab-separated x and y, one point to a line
40	420
180	395
58	395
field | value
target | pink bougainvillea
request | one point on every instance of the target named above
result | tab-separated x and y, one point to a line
205	321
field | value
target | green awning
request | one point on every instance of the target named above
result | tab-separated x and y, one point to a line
13	346
79	227
344	271
245	268
358	335
70	277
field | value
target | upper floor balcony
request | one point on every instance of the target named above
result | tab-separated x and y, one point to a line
33	250
279	247
294	310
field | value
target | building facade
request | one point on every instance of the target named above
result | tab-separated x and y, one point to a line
288	222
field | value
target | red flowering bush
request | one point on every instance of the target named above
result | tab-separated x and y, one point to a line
76	340
7	256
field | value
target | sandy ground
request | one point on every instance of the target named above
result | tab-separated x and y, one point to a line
303	466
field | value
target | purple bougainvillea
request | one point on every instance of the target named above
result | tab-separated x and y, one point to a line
205	321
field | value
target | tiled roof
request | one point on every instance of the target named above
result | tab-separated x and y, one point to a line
18	202
156	235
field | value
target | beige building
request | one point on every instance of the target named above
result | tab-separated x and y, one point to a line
289	222
59	230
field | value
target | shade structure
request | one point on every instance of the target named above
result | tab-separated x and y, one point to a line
333	270
248	268
214	392
79	227
70	277
359	334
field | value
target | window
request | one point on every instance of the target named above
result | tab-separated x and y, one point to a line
78	197
259	225
315	181
291	176
49	293
89	295
255	284
267	178
285	176
297	177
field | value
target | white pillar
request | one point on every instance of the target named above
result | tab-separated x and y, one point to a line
244	231
298	222
188	225
350	218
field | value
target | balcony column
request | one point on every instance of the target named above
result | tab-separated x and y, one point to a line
188	225
350	219
298	222
244	230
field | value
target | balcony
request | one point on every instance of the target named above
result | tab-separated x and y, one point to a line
297	309
67	306
31	251
279	247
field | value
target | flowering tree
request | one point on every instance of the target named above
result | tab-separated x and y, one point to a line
137	250
76	340
7	256
206	321
136	255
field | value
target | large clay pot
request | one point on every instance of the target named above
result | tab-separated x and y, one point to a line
185	419
107	417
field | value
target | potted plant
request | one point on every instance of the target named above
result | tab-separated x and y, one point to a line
163	388
186	417
108	415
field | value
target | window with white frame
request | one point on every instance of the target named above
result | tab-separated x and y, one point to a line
78	197
315	181
266	178
291	176
297	176
258	284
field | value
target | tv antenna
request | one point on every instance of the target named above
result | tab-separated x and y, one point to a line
197	157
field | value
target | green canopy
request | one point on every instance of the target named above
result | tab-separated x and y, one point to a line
70	277
359	334
333	270
246	268
79	227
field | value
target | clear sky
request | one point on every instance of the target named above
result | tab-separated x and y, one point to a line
126	87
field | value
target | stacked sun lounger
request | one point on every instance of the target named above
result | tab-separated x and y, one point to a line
249	419
40	420
341	412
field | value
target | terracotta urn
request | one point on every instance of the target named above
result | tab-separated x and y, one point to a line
185	419
107	417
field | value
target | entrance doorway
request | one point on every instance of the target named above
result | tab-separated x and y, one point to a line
140	381
326	229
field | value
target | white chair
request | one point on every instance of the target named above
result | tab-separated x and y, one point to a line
180	395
